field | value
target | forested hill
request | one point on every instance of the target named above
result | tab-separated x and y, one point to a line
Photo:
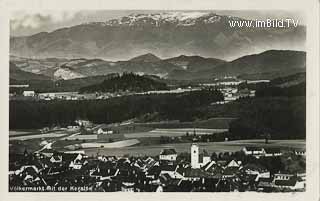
126	82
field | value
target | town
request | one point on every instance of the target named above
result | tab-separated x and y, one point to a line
228	85
249	169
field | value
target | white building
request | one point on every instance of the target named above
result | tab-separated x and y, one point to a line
254	151
168	155
104	131
29	93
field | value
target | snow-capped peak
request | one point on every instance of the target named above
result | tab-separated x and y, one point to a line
156	19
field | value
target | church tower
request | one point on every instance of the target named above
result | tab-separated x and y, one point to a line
194	156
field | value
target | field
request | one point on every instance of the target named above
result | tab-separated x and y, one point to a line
119	144
175	132
38	136
29	135
21	132
230	146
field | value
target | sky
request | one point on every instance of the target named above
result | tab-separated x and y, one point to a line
29	22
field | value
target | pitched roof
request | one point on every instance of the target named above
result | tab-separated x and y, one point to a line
209	165
168	167
233	163
168	152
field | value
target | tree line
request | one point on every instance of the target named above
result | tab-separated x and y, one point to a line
38	114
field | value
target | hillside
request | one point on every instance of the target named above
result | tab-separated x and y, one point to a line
195	63
17	75
283	62
126	82
146	58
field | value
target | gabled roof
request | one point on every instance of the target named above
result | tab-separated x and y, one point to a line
233	163
209	165
57	157
168	152
168	167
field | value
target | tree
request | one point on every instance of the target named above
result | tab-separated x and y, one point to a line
214	156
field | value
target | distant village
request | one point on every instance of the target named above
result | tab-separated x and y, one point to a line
228	85
249	169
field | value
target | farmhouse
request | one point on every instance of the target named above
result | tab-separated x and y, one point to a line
254	151
104	131
271	152
300	152
84	123
168	155
29	93
288	181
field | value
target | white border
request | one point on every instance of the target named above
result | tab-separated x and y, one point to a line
311	7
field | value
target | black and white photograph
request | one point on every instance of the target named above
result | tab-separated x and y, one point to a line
157	101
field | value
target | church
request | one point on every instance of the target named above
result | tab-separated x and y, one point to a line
198	159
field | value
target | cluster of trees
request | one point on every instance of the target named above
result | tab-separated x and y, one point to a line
282	118
126	82
38	114
295	90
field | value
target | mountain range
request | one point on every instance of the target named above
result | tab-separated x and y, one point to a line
266	65
166	35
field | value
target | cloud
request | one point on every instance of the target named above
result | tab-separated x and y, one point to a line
35	19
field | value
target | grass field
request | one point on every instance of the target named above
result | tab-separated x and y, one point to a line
230	146
22	132
119	144
174	132
39	136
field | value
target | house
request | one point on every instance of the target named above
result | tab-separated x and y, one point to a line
234	163
84	123
104	172
288	181
204	158
230	172
300	152
56	158
73	160
193	174
73	127
254	151
257	170
104	131
168	155
127	186
29	93
283	176
170	171
271	152
103	158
